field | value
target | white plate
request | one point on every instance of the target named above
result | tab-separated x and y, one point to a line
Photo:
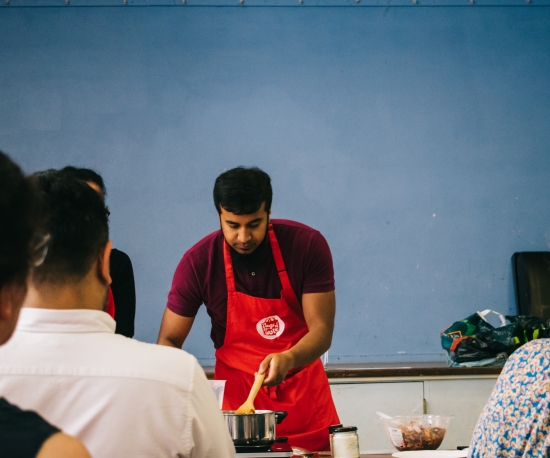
432	454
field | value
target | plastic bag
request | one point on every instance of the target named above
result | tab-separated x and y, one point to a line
475	342
529	328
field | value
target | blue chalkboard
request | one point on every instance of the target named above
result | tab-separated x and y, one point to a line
416	139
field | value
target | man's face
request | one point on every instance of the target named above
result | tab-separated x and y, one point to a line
244	232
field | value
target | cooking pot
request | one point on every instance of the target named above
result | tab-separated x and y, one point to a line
254	428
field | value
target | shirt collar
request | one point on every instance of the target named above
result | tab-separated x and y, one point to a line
69	321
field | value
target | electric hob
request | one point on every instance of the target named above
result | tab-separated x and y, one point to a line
280	449
268	454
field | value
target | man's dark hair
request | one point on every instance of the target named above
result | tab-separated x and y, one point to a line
77	223
86	175
18	219
242	191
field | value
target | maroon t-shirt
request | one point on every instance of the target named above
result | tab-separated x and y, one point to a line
200	275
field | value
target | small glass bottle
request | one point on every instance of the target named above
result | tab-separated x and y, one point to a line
345	442
331	429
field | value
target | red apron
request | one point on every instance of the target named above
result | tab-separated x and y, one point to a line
257	327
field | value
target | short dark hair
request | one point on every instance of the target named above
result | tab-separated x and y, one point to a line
242	191
18	219
78	226
84	174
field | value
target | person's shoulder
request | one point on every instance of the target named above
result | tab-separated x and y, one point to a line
287	225
296	233
120	262
155	362
534	348
200	256
119	255
206	244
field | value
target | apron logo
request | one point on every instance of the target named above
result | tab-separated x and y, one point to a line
271	327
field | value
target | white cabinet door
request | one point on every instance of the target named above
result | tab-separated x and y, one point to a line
464	399
357	404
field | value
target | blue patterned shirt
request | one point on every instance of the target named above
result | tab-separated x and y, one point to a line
516	420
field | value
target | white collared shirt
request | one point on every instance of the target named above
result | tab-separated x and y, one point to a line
121	397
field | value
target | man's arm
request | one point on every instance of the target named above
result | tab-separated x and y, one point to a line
174	329
319	310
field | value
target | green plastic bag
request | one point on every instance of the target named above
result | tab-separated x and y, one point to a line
473	341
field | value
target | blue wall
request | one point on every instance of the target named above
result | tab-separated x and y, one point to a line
417	139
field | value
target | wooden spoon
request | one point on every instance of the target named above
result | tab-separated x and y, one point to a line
248	406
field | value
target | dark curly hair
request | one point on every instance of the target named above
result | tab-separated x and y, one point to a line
78	226
18	220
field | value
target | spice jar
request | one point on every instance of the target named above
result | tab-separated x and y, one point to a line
331	433
345	442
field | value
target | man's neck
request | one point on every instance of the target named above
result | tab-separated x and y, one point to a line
66	296
256	256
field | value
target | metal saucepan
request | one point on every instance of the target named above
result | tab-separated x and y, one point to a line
255	428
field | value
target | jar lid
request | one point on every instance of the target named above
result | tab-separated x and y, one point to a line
344	429
331	428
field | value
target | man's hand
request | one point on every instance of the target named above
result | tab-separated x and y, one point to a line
276	366
319	310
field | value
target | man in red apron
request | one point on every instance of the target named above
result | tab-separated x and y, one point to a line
269	289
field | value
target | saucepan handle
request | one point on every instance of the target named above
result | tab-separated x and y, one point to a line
280	415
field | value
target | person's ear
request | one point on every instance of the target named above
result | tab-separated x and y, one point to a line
104	269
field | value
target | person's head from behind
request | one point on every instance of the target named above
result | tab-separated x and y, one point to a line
89	176
79	249
242	197
19	247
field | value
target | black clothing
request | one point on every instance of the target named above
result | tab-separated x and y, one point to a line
124	292
22	432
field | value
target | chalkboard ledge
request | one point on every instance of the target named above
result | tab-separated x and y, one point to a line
377	370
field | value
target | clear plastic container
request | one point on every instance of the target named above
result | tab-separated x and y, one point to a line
218	387
416	432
